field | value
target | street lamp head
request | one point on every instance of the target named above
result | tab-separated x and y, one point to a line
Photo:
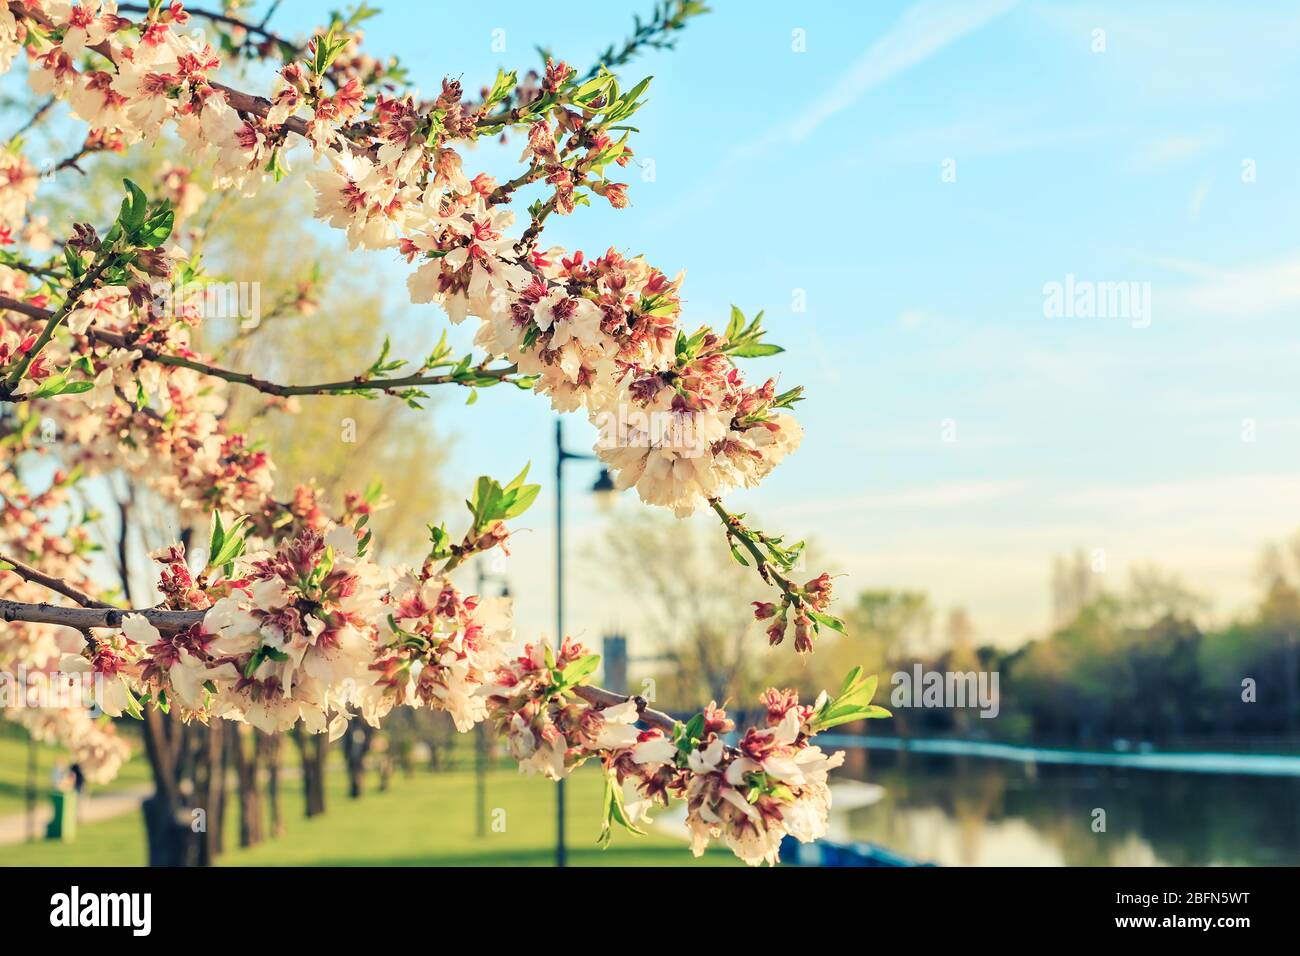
604	491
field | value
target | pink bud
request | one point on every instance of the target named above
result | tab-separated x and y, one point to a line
803	635
776	633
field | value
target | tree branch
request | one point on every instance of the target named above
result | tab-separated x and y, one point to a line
254	29
468	380
599	697
769	574
169	622
54	320
58	585
82	618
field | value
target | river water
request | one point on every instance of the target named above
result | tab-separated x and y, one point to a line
974	811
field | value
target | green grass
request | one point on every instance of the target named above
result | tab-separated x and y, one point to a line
13	770
426	820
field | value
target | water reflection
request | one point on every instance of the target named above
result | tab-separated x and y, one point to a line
966	811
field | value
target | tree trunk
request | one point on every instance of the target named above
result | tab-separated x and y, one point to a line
270	747
356	744
250	797
183	817
216	759
384	758
171	840
312	750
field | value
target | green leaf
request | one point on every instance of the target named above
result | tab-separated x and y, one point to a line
852	703
615	811
756	350
501	87
523	499
574	672
133	207
689	733
827	620
231	547
736	323
58	384
217	535
441	542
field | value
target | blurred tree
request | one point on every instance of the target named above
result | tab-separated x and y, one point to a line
900	621
344	442
696	614
1075	584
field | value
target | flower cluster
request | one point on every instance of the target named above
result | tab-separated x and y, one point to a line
772	784
600	335
292	640
440	648
25	531
94	743
290	622
546	730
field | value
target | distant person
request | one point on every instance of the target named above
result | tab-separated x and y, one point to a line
79	785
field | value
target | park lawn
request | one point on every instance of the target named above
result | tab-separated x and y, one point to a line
425	820
13	771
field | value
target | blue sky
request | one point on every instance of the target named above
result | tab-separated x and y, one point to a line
1161	151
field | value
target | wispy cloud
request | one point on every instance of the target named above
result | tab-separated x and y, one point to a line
923	30
1167	51
1199	195
920	32
985	134
1262	289
1255	500
1172	150
939	497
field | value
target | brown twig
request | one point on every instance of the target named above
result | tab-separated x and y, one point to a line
169	622
599	697
41	112
84	618
54	319
254	29
117	340
58	585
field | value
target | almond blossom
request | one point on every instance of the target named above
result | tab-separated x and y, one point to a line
292	623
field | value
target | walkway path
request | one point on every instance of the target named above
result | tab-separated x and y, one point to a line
100	806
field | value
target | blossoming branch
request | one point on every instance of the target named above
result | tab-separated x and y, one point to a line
291	622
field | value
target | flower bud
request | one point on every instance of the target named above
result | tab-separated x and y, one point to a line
616	193
776	632
803	635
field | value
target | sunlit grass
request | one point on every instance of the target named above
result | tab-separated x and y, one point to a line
14	772
424	820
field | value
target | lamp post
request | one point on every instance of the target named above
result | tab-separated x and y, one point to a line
480	731
604	489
